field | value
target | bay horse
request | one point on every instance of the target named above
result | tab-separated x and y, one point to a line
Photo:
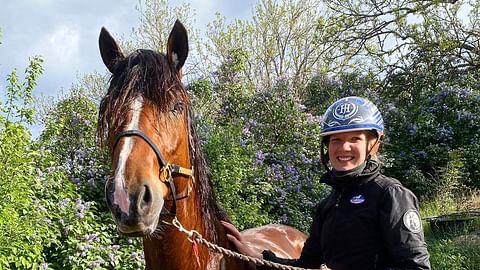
159	173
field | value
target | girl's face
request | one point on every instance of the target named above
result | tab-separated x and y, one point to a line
348	150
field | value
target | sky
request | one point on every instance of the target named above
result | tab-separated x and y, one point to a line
65	34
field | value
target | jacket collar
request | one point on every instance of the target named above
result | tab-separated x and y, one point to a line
371	168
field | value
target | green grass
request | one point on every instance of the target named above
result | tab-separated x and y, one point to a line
458	247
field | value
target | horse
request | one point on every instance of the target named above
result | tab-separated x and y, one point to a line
160	180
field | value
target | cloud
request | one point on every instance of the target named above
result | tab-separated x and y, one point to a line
65	33
62	44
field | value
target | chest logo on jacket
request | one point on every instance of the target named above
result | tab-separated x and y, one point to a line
411	220
357	199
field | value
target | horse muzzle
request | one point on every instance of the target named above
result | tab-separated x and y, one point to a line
135	213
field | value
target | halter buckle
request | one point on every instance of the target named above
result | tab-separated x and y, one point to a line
167	173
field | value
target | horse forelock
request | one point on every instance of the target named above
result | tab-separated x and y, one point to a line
143	73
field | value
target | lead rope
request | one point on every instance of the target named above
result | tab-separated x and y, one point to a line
194	236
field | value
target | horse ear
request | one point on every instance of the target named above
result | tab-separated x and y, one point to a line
109	49
177	46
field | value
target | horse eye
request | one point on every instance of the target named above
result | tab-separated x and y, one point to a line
178	107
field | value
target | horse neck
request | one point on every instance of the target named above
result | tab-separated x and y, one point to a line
173	251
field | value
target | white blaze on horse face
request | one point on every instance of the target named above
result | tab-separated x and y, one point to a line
120	196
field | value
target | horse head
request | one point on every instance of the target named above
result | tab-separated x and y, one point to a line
144	121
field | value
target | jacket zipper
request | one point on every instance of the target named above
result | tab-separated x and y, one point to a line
337	203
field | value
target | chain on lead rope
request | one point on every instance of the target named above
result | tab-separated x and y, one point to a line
194	236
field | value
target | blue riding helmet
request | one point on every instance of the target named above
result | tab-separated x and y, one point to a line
351	114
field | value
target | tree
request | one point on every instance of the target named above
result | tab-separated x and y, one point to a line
156	20
388	33
282	40
22	219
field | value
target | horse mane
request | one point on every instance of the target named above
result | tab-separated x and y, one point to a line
148	74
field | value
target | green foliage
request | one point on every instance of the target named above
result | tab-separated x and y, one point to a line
241	192
18	105
22	219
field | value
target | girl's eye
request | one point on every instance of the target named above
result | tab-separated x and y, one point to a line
356	139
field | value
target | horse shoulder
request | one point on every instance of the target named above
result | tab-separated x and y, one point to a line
285	241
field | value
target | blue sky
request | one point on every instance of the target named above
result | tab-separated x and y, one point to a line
65	34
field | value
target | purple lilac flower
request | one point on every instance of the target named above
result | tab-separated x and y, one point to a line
421	154
243	143
431	110
63	203
445	131
80	154
304	159
97	263
81	207
246	131
464	115
412	129
92	182
301	107
90	174
112	257
312	119
75	180
90	237
391	107
259	157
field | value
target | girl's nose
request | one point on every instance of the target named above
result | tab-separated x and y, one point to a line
346	146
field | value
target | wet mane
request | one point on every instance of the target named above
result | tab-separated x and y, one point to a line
148	74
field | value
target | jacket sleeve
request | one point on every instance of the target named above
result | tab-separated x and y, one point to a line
311	256
402	230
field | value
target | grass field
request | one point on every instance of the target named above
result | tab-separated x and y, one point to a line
453	244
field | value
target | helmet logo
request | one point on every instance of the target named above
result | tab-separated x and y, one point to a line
345	111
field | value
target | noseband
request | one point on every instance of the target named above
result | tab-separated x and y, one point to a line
166	168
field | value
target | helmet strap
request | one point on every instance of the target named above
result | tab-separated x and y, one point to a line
374	149
324	155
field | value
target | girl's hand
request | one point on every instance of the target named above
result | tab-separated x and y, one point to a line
236	239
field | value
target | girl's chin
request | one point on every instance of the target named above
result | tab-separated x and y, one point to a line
344	167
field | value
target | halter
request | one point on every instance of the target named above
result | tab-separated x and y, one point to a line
166	168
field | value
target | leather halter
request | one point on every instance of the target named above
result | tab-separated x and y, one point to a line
166	168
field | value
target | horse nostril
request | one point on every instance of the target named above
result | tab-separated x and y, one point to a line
145	199
147	196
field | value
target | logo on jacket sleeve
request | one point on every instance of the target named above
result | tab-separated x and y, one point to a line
411	220
357	199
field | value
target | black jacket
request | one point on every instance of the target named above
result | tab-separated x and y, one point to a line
367	222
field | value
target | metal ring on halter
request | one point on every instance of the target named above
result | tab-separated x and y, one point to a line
167	173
